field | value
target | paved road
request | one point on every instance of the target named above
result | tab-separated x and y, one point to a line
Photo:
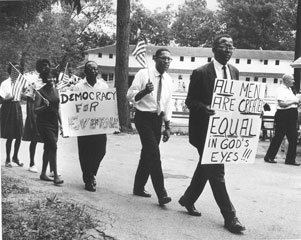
267	197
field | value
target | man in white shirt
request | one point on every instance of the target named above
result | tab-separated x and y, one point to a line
286	122
91	148
151	93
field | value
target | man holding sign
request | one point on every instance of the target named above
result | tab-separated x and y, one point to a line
198	101
91	148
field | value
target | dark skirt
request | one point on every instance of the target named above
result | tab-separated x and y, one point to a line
11	120
31	132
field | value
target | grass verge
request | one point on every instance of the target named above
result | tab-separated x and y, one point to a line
33	215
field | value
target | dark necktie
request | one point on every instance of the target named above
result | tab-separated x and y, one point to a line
159	95
225	72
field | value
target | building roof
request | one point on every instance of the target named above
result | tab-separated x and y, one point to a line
204	52
297	63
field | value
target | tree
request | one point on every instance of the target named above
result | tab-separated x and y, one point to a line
122	63
155	25
194	25
14	19
56	35
254	24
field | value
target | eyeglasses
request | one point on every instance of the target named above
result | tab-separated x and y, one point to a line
227	48
92	69
165	59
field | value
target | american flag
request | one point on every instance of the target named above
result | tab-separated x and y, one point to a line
64	81
19	83
139	51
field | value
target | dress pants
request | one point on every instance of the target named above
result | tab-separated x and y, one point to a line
91	150
215	173
286	121
148	125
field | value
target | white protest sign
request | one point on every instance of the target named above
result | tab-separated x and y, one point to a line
233	132
89	112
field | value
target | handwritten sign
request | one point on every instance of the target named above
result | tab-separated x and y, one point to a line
89	112
233	132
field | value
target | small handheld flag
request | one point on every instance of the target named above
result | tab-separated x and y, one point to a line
64	81
139	51
19	83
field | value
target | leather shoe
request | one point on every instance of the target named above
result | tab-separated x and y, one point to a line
268	160
164	200
44	177
142	193
190	208
90	187
293	163
234	226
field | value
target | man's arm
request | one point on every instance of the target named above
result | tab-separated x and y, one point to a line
193	100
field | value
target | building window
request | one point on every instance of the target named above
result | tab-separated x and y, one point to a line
264	80
100	55
277	62
255	79
209	59
237	60
275	80
180	77
192	59
181	58
265	62
247	79
104	76
111	76
249	61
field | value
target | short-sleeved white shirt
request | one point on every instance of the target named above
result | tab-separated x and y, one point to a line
286	94
6	88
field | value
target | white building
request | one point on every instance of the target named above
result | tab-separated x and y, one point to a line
254	65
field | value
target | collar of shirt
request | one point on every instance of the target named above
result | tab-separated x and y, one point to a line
219	69
98	85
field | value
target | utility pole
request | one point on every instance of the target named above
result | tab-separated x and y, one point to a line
297	71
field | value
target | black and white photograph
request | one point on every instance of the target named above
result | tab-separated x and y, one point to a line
150	120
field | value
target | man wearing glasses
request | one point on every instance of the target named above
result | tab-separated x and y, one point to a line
199	101
151	93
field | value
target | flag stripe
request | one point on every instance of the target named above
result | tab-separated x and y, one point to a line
139	51
64	81
19	83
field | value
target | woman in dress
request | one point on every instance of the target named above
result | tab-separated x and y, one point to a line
11	118
48	118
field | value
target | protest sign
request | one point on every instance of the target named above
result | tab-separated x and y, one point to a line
89	112
233	132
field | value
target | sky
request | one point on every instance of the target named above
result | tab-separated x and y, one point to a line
153	4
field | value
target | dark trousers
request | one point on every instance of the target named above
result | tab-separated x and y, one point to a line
148	126
91	150
215	173
285	125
